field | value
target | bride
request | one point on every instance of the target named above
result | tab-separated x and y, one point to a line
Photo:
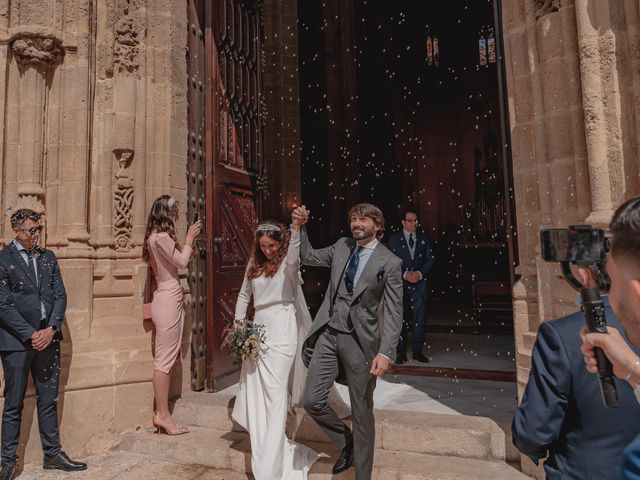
272	384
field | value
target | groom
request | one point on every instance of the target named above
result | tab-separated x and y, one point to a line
347	341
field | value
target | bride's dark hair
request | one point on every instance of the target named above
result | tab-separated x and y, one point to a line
259	263
162	218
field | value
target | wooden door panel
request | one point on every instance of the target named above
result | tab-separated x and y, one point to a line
196	186
237	167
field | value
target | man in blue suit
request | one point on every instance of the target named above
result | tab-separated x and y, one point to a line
562	414
414	249
33	301
623	265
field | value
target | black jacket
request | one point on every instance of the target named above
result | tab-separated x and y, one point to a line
21	297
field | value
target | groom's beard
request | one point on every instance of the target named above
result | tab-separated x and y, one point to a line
363	234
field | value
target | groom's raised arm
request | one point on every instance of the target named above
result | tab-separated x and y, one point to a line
314	257
392	310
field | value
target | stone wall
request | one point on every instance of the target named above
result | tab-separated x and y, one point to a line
572	74
93	130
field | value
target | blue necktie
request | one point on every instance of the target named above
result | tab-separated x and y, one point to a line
411	241
352	268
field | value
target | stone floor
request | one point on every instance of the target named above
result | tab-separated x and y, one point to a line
132	466
495	400
474	351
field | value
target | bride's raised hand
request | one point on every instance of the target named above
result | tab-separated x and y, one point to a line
299	216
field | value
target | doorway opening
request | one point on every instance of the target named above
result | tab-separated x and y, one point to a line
402	105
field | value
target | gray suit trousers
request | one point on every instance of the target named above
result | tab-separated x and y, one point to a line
332	347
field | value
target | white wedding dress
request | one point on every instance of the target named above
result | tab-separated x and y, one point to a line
274	382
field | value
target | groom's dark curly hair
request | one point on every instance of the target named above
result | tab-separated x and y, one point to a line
259	263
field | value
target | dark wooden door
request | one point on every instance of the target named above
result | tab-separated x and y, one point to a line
238	172
196	190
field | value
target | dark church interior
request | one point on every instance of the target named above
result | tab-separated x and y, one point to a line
401	106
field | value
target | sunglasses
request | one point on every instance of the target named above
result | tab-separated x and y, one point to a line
32	230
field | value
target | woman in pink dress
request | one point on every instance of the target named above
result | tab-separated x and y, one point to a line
166	256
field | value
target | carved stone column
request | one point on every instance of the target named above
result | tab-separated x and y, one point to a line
597	48
37	53
126	74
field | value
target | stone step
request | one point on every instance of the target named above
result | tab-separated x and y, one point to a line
133	466
420	432
231	451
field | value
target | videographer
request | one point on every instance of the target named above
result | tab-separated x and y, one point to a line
561	415
623	266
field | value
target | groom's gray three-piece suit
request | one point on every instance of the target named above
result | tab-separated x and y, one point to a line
345	337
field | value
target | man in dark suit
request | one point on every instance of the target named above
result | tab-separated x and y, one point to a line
414	250
347	338
32	306
562	414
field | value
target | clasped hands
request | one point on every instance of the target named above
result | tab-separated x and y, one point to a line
413	277
299	216
42	338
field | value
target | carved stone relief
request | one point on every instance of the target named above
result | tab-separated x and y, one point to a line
543	7
123	202
126	49
31	48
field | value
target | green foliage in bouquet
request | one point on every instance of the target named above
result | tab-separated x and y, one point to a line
245	339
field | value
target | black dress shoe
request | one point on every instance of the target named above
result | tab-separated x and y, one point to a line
7	472
62	462
421	358
345	461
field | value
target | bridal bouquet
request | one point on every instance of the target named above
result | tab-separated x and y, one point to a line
245	339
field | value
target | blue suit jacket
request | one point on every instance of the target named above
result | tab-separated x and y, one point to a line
421	262
630	465
21	297
562	413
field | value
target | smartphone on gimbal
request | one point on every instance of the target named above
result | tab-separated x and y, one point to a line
580	244
583	245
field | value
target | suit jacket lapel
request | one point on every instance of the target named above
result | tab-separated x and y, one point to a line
17	257
370	271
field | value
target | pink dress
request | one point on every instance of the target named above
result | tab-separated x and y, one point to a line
167	307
